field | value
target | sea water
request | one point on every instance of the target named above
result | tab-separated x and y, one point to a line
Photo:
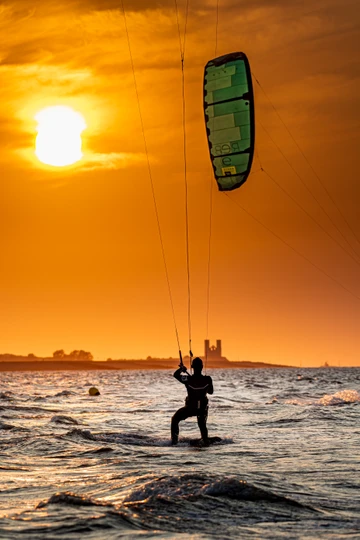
102	467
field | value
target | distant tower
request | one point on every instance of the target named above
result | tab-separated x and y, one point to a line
213	352
218	347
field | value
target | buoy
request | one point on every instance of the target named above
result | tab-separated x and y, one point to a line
94	391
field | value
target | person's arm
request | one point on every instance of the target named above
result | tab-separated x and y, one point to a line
210	389
178	374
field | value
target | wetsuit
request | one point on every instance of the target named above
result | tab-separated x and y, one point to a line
196	403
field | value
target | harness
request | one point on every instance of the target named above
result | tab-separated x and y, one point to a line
195	401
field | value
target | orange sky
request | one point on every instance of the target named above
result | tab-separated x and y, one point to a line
80	259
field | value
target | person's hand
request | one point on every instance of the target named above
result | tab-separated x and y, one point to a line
183	369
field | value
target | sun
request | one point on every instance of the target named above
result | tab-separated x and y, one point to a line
58	142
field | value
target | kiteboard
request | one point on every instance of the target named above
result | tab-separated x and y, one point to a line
199	443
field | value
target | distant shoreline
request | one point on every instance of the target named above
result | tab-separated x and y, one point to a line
48	364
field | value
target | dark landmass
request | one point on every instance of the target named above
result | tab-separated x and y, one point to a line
10	362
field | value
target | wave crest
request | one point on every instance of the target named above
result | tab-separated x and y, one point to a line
343	397
68	497
196	487
60	419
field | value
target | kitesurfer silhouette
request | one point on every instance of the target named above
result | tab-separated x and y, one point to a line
196	403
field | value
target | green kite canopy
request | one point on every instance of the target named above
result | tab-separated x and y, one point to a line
229	118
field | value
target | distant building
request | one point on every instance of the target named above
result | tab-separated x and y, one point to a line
213	353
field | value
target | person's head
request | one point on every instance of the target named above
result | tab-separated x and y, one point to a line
197	365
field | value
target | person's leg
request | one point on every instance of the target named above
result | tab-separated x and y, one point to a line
181	414
201	419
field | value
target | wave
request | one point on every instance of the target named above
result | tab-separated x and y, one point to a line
59	419
233	488
81	433
135	439
64	393
6	395
210	505
2	468
73	499
59	520
6	426
200	486
122	438
206	504
101	450
256	385
343	397
27	409
279	421
10	427
306	378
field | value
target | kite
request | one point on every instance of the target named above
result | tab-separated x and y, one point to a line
229	118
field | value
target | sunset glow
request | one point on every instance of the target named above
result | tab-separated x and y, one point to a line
58	142
100	143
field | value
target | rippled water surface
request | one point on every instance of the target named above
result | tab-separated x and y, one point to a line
73	465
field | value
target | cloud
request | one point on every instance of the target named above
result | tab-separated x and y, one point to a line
75	52
112	160
21	7
91	161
